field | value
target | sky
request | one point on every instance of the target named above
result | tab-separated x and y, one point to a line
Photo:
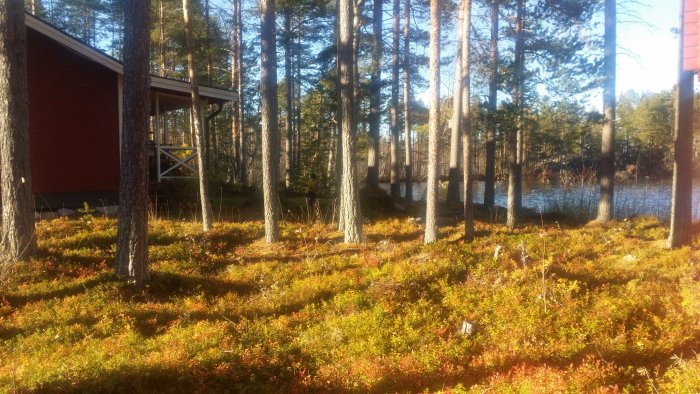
647	47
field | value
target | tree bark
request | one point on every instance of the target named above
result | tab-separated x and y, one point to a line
198	122
408	139
515	155
236	126
682	188
607	156
431	230
132	229
350	202
453	174
375	99
268	113
490	182
18	240
289	135
395	186
161	41
466	123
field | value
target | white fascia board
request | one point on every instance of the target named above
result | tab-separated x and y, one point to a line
72	44
184	87
95	55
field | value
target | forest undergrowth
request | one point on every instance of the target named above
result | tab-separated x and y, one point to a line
545	308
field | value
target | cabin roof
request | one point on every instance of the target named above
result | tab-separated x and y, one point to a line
101	58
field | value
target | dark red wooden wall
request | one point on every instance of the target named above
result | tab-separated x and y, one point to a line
73	120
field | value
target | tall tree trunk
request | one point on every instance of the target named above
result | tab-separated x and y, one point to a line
682	189
515	140
236	128
490	182
431	229
453	174
207	31
296	163
466	122
607	156
268	113
375	99
132	229
161	39
18	240
408	139
350	205
198	122
289	135
394	109
243	144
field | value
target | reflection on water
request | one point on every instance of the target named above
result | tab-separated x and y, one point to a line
582	200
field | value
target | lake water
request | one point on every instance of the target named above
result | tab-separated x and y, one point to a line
582	200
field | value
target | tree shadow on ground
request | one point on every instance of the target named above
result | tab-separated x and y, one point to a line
18	301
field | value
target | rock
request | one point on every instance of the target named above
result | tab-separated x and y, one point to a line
65	212
109	210
467	328
399	207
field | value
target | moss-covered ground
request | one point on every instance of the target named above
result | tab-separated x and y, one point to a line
541	309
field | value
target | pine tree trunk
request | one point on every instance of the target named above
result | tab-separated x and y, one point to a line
375	100
236	129
198	122
515	141
394	108
350	202
490	181
431	229
289	135
682	189
466	123
408	139
18	240
453	175
132	229
268	113
161	40
607	156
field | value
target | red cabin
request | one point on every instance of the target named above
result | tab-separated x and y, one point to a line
75	116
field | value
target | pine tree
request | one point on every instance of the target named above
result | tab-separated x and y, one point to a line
132	229
431	229
466	121
394	106
408	138
375	97
268	113
682	188
515	136
607	157
490	182
349	196
207	215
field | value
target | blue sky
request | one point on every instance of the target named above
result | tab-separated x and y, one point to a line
647	47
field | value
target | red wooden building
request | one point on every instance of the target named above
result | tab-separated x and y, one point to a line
75	116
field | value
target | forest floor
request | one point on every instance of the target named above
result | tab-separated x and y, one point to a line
546	308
